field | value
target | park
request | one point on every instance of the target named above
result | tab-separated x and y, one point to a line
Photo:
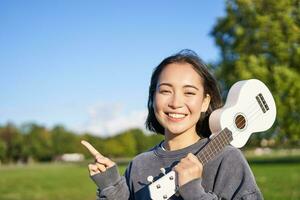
80	71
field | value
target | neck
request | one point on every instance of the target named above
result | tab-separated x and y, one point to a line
179	141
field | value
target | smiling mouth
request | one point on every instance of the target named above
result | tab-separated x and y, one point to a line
176	116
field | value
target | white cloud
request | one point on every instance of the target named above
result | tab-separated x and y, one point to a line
109	119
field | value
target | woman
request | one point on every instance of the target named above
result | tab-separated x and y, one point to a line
182	95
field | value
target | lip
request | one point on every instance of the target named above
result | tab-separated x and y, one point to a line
180	113
175	119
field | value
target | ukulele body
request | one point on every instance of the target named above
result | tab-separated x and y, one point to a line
249	108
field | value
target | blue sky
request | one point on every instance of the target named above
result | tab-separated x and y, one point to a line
87	64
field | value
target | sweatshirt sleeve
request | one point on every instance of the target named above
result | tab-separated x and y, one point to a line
111	185
233	180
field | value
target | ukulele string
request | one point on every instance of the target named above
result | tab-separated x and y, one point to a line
251	117
252	114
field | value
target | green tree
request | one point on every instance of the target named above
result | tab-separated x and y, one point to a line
145	141
261	39
127	143
38	143
2	151
63	141
121	145
141	140
13	141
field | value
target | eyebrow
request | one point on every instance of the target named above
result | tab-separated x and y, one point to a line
185	86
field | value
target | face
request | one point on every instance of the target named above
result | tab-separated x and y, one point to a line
179	99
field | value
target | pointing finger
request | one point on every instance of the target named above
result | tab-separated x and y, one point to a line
91	149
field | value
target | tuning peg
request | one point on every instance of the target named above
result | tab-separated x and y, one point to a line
163	170
150	179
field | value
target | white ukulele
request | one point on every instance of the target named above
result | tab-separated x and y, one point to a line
249	108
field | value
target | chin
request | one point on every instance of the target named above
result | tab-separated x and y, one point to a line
177	131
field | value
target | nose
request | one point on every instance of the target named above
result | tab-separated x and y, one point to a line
176	101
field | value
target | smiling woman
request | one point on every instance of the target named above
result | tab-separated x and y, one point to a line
179	101
182	95
197	85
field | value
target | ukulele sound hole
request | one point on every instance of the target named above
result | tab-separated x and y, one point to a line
240	121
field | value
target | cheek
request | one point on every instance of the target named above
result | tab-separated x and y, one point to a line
158	103
195	105
158	109
154	104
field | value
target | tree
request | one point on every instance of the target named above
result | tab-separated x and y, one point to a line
63	141
261	39
120	145
38	143
2	151
12	142
145	142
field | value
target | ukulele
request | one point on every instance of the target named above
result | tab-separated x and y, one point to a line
249	108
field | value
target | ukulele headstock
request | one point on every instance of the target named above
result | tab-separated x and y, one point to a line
164	187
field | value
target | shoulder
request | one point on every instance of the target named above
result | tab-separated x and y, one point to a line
233	162
232	154
230	158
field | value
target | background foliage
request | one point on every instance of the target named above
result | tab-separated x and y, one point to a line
33	142
261	39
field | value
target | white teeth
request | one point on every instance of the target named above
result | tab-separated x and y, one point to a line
177	116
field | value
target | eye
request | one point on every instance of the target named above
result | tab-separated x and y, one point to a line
190	93
165	91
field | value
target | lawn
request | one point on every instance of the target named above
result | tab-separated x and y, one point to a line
46	182
71	181
278	181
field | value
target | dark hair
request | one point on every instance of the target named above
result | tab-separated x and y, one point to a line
209	83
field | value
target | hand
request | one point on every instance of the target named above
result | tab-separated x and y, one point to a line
188	169
101	163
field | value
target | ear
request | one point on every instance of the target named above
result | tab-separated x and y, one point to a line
205	103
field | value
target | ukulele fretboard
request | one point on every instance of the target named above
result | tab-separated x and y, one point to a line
214	146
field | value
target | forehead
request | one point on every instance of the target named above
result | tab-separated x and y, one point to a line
180	74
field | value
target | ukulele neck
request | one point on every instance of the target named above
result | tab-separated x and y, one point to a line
214	146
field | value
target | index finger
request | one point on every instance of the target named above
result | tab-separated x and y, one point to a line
91	149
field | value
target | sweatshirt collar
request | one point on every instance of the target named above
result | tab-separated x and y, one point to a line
160	152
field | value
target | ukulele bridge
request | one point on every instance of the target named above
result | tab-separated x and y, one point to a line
262	102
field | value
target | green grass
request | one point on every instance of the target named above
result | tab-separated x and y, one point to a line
46	182
278	181
71	181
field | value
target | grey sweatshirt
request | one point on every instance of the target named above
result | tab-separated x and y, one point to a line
226	176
